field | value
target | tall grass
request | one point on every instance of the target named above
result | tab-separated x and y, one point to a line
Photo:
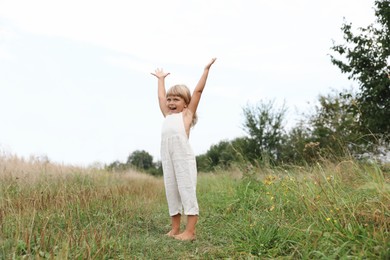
63	212
328	211
68	212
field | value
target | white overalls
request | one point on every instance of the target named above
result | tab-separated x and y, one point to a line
179	167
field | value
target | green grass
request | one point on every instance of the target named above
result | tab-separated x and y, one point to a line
323	212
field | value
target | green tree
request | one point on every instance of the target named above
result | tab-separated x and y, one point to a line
293	150
116	166
264	125
365	58
156	170
141	160
221	155
335	124
203	163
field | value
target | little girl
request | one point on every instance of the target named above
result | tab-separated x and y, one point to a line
177	157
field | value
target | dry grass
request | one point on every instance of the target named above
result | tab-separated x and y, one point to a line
42	185
46	206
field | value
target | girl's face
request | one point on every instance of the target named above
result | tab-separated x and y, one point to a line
176	104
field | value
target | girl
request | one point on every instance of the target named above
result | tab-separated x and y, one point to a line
178	160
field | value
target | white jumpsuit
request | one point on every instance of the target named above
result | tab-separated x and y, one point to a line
179	167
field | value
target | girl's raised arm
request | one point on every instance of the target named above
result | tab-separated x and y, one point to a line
193	105
160	74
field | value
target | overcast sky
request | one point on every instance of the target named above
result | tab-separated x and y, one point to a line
75	82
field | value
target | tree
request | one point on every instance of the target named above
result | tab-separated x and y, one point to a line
116	166
264	126
140	159
335	124
296	140
219	156
365	58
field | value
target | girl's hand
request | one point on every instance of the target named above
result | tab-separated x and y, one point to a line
160	74
210	63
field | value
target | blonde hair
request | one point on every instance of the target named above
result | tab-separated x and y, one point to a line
183	92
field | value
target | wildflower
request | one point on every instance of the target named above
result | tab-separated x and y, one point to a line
272	208
330	178
269	179
328	219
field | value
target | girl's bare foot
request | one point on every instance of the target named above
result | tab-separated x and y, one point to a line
185	236
172	233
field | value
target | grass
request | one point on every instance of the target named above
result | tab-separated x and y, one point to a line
323	212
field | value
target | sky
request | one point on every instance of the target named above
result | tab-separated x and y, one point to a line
75	82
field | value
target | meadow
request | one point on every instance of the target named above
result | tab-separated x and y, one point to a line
325	211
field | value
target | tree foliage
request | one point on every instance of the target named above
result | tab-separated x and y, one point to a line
220	155
294	150
365	58
117	166
141	160
223	155
335	123
264	125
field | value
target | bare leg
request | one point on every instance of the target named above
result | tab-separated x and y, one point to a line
189	233
175	226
